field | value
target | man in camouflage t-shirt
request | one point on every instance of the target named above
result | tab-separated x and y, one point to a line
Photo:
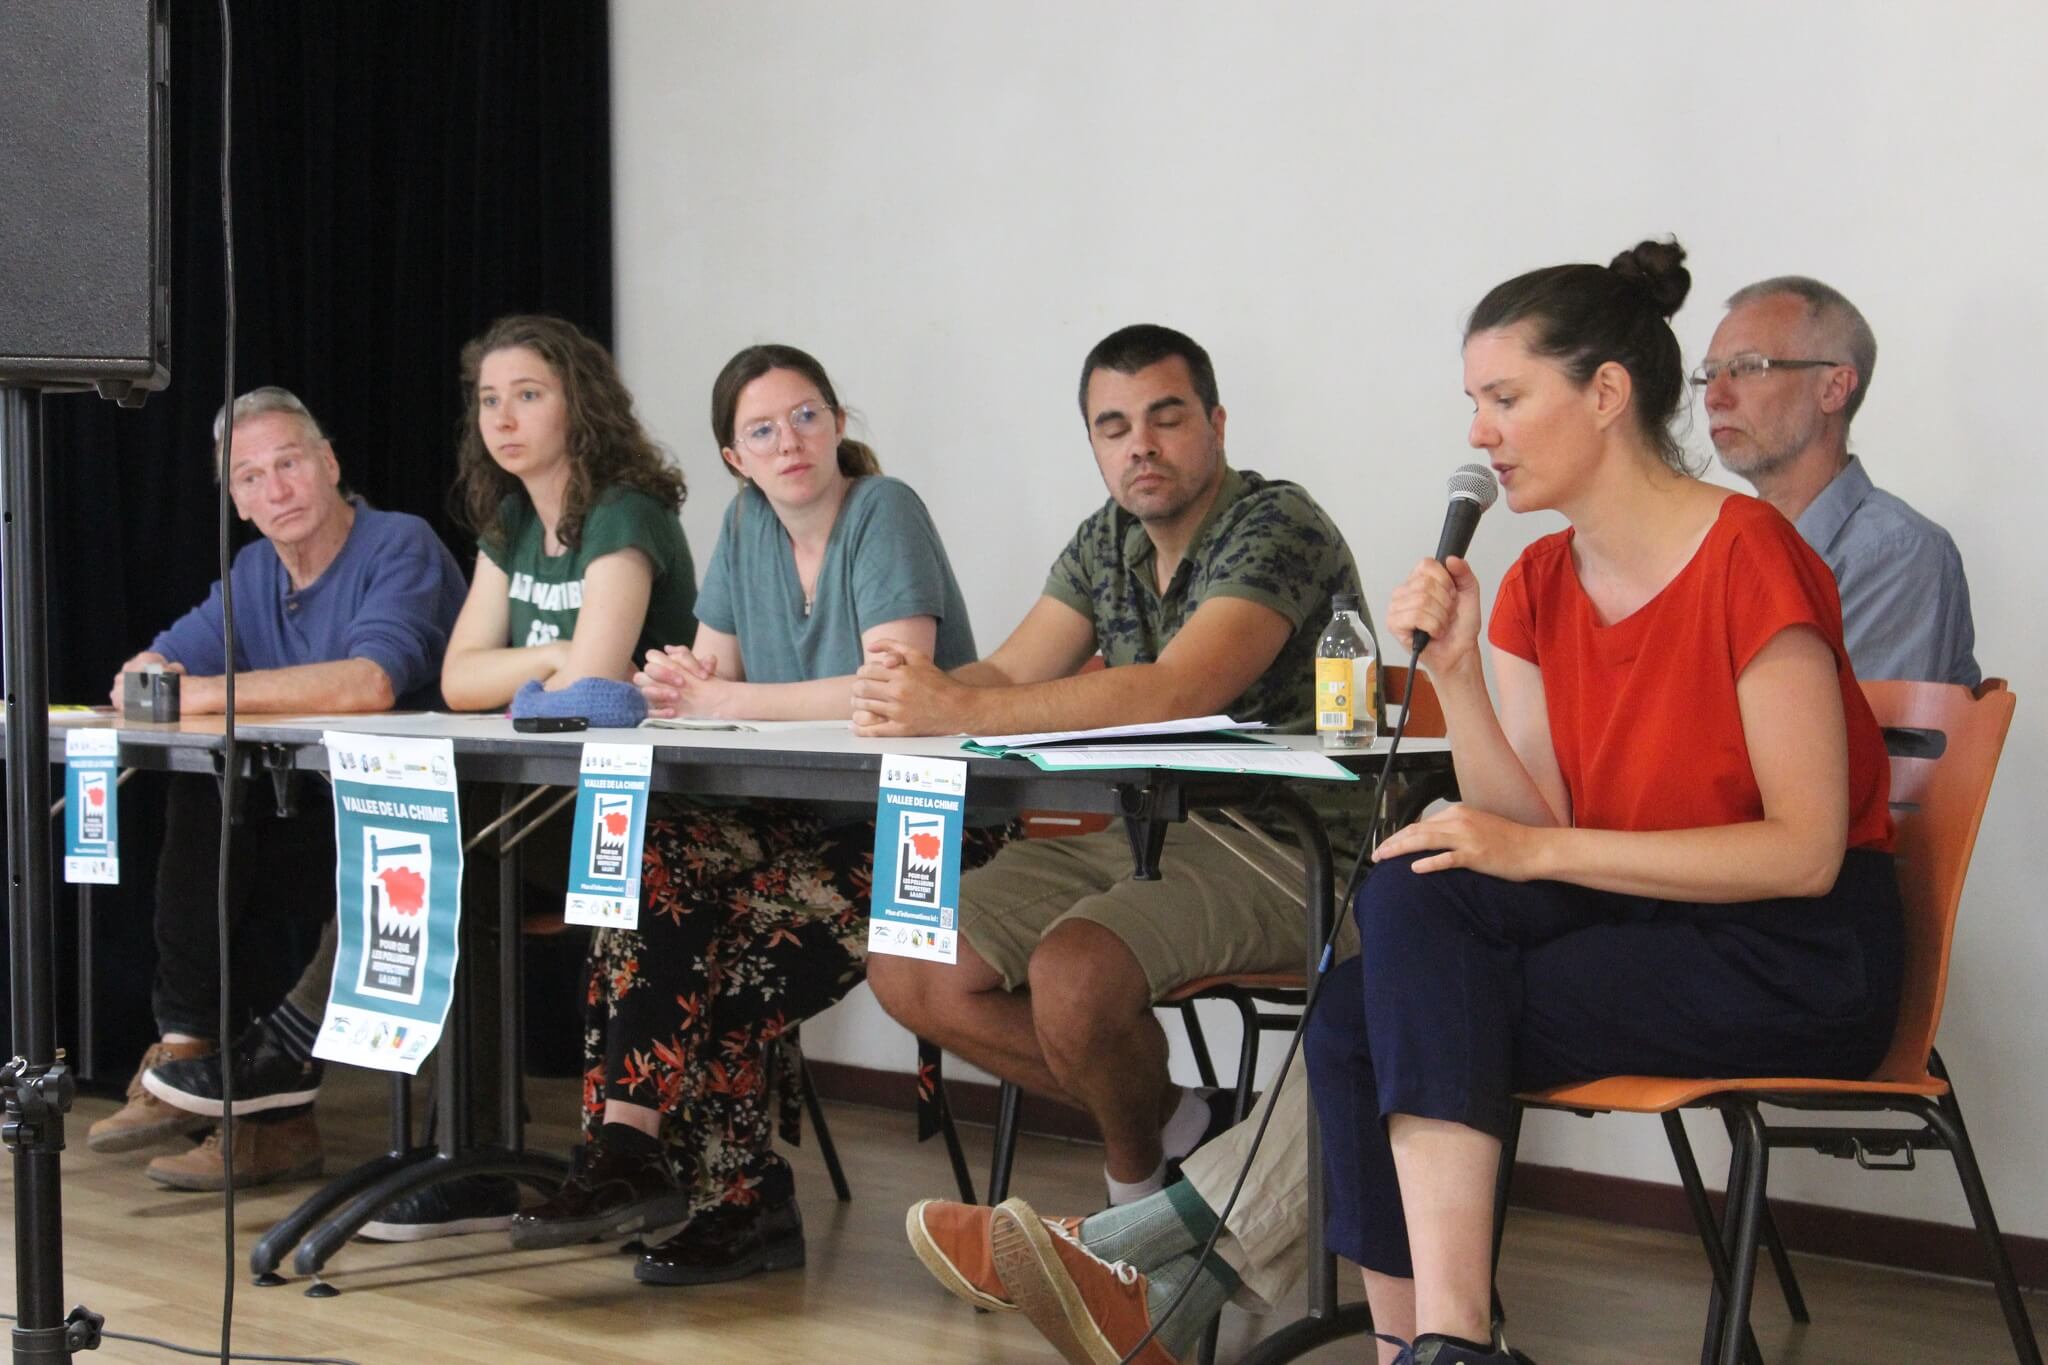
1205	589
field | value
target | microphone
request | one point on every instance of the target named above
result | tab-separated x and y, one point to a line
1472	490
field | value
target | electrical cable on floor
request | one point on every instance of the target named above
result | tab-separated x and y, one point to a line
1359	869
163	1345
226	1044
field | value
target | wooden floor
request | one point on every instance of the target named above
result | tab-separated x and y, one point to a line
1579	1293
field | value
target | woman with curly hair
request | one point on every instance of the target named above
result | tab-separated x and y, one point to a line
581	565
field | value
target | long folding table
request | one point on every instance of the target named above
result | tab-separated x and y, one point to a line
783	764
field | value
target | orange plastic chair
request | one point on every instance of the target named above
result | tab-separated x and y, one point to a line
1945	744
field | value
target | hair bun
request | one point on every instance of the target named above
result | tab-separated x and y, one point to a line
1658	268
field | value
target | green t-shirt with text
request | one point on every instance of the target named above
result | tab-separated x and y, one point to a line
547	590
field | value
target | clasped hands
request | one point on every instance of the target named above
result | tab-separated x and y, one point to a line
900	691
675	682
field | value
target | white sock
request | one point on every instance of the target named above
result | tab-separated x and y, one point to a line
1130	1192
1183	1132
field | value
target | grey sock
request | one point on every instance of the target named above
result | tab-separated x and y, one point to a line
1205	1299
1147	1233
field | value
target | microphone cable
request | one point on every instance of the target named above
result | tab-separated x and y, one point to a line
229	756
1361	867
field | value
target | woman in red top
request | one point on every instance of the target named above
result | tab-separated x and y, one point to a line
1673	851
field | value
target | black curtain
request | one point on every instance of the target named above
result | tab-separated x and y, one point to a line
403	172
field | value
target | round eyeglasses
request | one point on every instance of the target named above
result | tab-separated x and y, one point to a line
764	435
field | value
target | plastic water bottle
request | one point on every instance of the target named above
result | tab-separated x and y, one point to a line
1345	714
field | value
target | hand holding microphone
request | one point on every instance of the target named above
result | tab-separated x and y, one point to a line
1440	601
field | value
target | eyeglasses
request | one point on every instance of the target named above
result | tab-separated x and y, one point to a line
1749	364
805	420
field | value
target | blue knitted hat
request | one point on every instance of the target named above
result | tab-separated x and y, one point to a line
606	703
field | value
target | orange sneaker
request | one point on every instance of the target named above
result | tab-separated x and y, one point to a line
1092	1310
953	1242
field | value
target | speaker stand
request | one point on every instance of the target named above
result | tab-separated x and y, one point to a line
36	1085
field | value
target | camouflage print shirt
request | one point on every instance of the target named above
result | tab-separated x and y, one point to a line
1264	540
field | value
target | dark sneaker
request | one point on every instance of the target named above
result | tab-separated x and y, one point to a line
729	1242
146	1120
621	1184
469	1203
268	1149
266	1077
1432	1349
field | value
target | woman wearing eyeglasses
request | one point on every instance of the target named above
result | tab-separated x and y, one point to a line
1673	852
752	918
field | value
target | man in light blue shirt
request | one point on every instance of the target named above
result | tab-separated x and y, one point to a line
1783	378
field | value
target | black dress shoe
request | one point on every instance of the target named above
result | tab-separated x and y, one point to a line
729	1242
621	1183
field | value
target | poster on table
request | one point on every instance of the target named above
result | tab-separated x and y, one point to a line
611	823
398	899
916	904
92	825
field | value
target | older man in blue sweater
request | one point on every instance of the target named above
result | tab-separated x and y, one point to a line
338	607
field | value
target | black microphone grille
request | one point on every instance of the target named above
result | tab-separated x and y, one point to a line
1475	482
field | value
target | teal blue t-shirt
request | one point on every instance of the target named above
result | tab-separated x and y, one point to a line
883	561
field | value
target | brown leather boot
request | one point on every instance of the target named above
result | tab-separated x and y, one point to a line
268	1148
146	1120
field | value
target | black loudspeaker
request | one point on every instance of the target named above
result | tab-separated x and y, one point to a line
85	195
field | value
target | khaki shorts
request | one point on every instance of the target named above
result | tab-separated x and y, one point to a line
1208	915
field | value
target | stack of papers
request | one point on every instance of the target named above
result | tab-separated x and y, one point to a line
1210	744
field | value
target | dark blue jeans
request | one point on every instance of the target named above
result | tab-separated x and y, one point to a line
281	869
1468	988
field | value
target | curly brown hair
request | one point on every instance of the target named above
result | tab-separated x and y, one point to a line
608	447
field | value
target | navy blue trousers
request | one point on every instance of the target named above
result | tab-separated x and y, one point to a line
1468	988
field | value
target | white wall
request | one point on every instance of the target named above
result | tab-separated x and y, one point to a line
948	204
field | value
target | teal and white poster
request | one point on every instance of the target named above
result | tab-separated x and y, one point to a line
916	904
398	899
92	825
611	822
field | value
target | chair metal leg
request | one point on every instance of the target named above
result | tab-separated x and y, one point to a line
1747	1205
1005	1154
1198	1043
1247	1056
823	1133
1709	1231
1946	1118
1781	1262
1248	1019
1714	1337
1503	1182
951	1135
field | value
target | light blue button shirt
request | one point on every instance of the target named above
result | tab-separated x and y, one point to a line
1905	602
